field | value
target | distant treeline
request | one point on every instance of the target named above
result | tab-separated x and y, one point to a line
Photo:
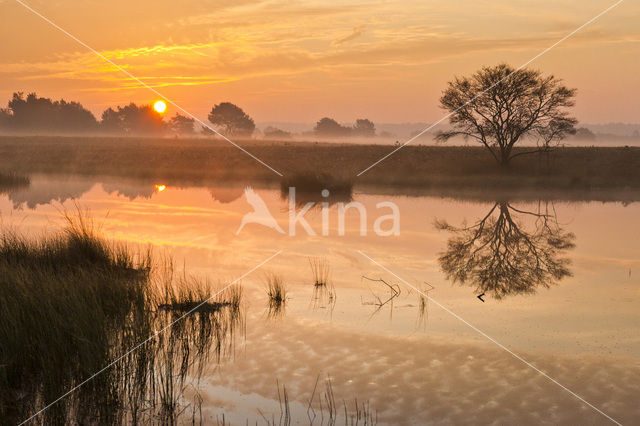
31	114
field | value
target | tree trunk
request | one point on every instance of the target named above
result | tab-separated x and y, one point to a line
505	157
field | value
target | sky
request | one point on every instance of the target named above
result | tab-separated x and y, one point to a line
298	61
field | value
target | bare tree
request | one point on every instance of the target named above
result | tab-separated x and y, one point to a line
500	255
501	106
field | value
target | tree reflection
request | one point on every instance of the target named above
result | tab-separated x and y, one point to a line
502	254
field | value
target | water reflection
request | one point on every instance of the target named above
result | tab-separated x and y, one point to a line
132	190
341	341
47	191
316	188
509	251
423	304
324	297
12	181
39	190
226	195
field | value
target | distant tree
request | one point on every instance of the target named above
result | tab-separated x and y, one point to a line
132	120
501	106
44	115
331	128
207	132
275	133
232	120
5	119
582	133
182	125
364	128
111	121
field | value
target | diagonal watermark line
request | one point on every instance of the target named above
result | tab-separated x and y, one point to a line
500	345
136	347
490	87
77	40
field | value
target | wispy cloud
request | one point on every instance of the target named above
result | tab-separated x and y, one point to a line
191	64
357	32
283	45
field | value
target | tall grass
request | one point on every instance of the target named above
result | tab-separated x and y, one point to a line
187	293
72	303
59	295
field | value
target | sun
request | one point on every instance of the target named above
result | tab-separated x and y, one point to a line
160	106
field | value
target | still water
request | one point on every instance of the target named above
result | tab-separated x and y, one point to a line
560	284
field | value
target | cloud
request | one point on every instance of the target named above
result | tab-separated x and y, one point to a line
357	32
218	62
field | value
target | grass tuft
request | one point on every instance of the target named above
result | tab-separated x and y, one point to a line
276	289
320	270
277	294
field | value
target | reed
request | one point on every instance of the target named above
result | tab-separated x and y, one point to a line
72	303
277	294
276	289
321	270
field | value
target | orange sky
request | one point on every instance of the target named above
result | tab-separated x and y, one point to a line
298	61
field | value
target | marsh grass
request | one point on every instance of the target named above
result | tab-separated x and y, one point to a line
324	292
320	270
59	296
277	294
72	303
187	293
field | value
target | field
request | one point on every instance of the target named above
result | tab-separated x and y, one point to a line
573	172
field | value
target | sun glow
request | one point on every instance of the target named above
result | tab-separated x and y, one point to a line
160	188
160	106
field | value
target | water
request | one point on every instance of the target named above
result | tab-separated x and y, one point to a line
412	363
